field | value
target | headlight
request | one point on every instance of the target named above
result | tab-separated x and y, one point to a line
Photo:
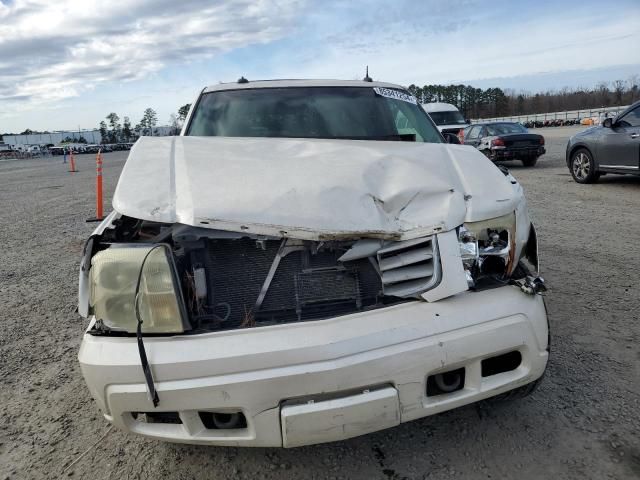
488	248
114	276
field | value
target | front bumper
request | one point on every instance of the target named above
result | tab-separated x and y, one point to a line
320	381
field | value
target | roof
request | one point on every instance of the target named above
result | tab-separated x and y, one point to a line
495	122
439	107
297	83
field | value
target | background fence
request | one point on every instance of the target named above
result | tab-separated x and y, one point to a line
595	113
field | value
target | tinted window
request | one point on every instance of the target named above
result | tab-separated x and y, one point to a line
311	112
631	119
447	118
505	128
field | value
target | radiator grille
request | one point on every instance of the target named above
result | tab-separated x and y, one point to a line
410	267
305	286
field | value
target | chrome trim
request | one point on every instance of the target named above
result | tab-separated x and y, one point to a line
624	167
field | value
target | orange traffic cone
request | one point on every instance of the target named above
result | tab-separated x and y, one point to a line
72	162
99	201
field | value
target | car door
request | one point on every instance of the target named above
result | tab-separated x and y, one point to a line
473	136
620	145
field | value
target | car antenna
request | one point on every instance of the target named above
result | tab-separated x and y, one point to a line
367	78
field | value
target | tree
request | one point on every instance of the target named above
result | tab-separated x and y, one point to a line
149	120
126	129
103	132
183	111
175	124
114	132
618	89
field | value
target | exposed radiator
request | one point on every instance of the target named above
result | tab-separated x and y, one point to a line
306	285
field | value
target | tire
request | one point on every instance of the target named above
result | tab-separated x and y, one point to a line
530	161
487	153
582	166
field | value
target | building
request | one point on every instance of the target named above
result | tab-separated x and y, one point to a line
20	142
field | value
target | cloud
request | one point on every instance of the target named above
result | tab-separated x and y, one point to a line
447	42
50	50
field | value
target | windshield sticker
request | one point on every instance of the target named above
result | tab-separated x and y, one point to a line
395	94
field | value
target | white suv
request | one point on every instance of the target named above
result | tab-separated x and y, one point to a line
446	116
305	263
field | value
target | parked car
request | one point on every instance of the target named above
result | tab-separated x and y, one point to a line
446	116
57	150
305	263
505	141
613	147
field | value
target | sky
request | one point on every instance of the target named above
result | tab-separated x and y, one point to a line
66	64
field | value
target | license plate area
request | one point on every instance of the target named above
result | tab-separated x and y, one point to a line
339	418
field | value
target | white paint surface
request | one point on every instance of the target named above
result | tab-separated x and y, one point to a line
312	189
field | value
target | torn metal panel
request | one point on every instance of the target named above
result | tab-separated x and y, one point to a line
311	189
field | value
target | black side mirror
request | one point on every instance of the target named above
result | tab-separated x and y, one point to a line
608	123
467	121
451	138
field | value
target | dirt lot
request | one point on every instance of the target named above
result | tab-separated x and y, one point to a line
583	422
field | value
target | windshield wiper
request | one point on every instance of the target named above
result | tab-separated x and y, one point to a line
399	137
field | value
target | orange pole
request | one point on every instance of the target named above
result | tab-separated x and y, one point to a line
99	186
73	161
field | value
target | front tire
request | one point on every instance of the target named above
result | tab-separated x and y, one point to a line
582	166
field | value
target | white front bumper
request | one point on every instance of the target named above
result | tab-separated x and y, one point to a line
358	373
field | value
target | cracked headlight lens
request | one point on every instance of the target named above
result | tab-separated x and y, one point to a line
114	276
487	248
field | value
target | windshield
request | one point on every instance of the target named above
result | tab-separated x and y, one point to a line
447	118
505	128
312	112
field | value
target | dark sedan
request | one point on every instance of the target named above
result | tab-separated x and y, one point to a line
613	147
505	141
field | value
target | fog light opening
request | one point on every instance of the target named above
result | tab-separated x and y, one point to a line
501	363
157	417
445	382
223	420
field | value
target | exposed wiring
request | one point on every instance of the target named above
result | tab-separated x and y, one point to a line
146	368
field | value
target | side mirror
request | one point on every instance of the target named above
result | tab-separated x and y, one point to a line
467	121
451	138
608	123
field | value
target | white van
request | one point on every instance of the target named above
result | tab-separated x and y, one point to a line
447	117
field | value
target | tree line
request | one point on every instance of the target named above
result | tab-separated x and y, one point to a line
496	102
472	102
111	131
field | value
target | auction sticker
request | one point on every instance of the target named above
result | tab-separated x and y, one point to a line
395	94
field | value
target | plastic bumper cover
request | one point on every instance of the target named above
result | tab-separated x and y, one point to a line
320	381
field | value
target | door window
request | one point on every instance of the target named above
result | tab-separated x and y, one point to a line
631	119
473	133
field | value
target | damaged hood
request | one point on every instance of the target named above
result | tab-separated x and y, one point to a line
312	189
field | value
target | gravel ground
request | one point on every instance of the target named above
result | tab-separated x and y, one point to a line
583	421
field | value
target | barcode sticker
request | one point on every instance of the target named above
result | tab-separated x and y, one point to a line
395	94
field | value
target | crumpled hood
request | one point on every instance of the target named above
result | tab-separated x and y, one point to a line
311	189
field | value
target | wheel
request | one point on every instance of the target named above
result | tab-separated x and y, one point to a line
530	161
487	153
582	168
